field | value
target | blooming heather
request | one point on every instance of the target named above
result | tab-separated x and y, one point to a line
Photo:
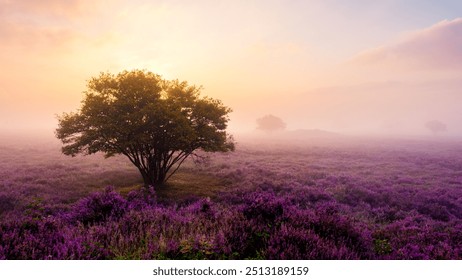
391	201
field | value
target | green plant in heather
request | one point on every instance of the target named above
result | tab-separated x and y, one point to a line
155	123
382	246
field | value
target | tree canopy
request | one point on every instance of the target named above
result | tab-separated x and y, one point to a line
270	123
435	126
156	123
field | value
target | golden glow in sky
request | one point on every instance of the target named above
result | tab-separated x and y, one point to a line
336	65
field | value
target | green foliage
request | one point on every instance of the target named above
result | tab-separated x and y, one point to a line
270	123
382	246
156	123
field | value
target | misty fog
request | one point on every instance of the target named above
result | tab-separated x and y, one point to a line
393	109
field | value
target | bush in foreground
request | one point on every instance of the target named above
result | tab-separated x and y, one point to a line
254	225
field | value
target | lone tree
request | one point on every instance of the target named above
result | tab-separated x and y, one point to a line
156	123
270	123
435	126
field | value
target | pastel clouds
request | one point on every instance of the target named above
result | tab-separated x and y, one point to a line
55	9
437	48
242	52
50	24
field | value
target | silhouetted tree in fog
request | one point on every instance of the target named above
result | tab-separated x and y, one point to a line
270	123
154	122
436	126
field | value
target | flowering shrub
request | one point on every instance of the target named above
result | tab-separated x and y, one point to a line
319	203
263	226
99	207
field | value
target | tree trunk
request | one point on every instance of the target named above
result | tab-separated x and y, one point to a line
146	179
152	178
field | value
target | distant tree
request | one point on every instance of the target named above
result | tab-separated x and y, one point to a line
436	126
155	123
270	123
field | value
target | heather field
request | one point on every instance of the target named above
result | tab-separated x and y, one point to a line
306	199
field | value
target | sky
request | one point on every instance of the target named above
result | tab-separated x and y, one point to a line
353	66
